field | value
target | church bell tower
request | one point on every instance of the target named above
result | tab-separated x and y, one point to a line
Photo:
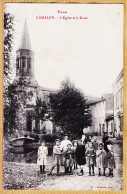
25	85
25	55
27	89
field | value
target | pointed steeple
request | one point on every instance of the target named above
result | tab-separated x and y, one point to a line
25	39
25	55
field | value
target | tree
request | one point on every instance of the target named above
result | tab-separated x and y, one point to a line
8	42
9	99
40	112
70	110
10	109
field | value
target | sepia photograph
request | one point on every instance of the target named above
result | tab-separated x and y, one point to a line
63	97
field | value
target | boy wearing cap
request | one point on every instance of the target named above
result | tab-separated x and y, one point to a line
57	156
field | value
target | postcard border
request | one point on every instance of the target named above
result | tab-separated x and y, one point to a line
124	2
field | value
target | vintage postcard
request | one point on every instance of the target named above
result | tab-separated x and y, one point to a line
63	103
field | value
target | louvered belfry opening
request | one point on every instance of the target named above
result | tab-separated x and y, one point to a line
25	55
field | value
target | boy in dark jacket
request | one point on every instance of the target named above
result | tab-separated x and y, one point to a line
68	159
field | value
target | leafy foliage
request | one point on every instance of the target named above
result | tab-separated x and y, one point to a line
10	102
40	109
38	113
10	109
8	42
15	106
70	110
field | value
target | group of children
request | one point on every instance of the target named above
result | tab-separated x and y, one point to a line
76	154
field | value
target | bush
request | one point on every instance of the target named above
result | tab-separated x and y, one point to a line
49	138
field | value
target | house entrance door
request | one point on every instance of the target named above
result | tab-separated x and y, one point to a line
29	123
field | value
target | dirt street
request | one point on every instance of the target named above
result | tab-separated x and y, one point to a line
27	176
86	182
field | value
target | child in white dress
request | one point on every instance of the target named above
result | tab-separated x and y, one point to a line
42	156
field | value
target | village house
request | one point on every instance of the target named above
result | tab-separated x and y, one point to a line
118	105
101	109
109	114
97	108
110	125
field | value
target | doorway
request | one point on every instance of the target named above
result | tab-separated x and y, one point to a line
29	123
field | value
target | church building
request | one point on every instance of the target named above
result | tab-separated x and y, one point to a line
27	90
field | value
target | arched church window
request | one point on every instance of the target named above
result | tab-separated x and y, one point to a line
23	62
29	64
17	64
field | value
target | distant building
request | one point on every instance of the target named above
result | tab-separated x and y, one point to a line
109	103
110	125
97	107
101	109
109	114
118	105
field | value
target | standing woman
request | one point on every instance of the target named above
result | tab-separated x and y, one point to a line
80	156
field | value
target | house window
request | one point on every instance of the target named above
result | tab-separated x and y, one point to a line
103	128
114	102
17	64
117	100
112	127
121	123
99	128
121	96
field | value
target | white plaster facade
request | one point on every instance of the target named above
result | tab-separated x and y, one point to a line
118	105
98	111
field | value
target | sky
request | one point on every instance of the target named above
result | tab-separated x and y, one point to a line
88	51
